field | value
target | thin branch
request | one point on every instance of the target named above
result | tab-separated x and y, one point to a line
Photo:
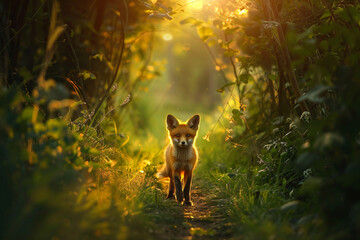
226	80
107	92
73	50
222	113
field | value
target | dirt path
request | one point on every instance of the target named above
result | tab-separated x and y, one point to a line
203	220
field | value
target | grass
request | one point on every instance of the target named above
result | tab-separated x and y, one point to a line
111	192
254	210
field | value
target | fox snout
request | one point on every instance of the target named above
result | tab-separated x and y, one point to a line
182	142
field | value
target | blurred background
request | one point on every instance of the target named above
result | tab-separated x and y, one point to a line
188	82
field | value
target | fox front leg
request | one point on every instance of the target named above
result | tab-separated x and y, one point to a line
178	187
187	188
171	188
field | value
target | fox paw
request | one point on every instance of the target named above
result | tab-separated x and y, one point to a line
179	198
188	203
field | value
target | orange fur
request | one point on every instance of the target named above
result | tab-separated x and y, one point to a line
180	156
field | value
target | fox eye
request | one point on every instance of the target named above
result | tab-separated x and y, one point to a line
188	135
177	135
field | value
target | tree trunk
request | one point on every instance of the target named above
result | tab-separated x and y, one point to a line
286	56
99	18
282	54
16	18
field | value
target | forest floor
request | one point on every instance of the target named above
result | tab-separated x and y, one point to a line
204	220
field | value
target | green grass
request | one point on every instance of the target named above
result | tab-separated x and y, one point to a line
254	210
85	186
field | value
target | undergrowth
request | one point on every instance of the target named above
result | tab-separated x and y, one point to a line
59	182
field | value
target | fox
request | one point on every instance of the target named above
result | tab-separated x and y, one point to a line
181	156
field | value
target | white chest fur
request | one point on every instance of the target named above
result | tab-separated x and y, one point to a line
182	156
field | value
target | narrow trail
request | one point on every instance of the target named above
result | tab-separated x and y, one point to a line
203	220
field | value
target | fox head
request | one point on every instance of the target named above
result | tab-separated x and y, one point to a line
182	135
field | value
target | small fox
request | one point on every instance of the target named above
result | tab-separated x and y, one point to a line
180	156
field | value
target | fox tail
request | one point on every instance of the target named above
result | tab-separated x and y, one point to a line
162	173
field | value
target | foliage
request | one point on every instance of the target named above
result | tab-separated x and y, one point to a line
301	145
80	145
46	188
64	170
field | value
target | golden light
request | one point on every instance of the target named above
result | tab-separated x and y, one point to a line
242	12
194	4
167	36
239	13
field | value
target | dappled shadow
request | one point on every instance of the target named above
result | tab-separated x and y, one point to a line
203	220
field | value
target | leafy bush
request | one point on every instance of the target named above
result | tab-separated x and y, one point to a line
38	169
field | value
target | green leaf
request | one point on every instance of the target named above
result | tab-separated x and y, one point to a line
87	75
272	77
99	56
342	14
289	205
56	128
225	45
311	185
26	74
205	32
326	15
328	141
226	85
26	115
211	42
230	52
192	21
117	13
308	33
314	94
245	77
237	115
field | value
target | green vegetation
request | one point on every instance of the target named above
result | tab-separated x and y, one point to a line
85	87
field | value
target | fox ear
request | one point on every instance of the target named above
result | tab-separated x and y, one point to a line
171	122
194	122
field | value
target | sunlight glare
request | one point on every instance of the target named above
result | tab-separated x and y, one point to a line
242	12
167	37
195	4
